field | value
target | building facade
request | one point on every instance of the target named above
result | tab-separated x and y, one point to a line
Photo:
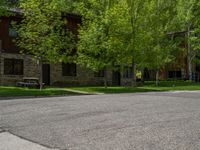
15	66
178	69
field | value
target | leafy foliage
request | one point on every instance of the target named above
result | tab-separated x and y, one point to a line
112	33
43	31
4	5
103	36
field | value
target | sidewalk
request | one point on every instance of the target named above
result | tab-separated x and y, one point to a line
12	142
83	92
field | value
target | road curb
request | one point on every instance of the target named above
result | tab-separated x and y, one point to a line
12	142
83	92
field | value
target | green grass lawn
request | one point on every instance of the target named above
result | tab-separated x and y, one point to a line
16	91
147	87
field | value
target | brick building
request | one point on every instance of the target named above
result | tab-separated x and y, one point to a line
15	66
179	68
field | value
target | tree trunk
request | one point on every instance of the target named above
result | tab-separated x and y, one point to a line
189	56
190	69
142	76
105	79
133	82
41	74
157	77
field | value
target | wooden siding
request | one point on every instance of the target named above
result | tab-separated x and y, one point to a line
8	43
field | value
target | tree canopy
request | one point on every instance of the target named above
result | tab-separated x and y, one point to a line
113	32
42	31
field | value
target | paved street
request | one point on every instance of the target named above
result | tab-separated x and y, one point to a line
150	121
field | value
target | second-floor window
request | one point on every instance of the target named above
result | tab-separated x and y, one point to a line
12	30
13	66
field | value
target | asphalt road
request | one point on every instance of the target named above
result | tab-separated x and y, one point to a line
151	121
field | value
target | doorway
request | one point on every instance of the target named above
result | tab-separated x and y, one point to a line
46	74
116	78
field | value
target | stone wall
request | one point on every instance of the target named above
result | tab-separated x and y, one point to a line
126	81
31	69
84	77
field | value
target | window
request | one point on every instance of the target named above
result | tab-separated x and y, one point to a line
13	67
146	74
197	67
175	74
127	72
69	69
12	31
100	73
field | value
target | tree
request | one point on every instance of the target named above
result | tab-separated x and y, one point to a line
3	6
43	32
136	16
195	36
159	46
143	27
6	7
102	39
187	20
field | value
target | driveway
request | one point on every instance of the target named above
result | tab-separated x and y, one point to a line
146	121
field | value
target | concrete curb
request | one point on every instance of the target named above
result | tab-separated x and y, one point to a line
69	90
11	142
82	92
34	97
